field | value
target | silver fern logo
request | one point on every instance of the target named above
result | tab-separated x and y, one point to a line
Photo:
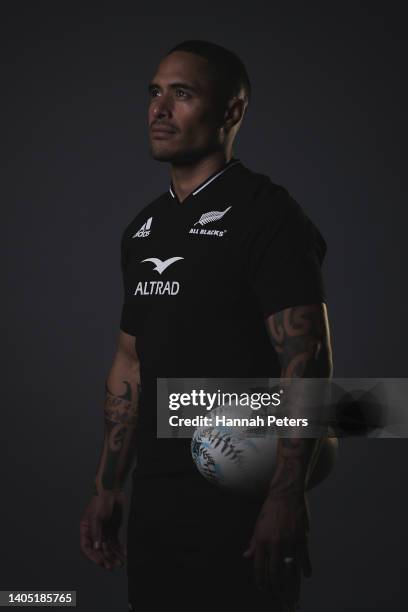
211	216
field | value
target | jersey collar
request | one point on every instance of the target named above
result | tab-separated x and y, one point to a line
232	162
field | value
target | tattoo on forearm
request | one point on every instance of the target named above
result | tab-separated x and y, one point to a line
119	408
120	420
115	435
299	337
293	457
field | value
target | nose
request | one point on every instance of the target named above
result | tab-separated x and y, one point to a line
160	107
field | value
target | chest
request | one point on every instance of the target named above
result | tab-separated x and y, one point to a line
187	253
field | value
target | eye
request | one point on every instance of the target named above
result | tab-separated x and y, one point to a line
153	91
180	93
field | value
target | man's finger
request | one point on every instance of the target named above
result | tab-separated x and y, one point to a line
98	542
87	547
259	566
281	569
305	560
118	549
273	570
251	549
291	579
112	554
96	532
108	552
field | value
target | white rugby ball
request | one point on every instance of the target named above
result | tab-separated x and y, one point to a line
239	457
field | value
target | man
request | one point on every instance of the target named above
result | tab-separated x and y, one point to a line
222	279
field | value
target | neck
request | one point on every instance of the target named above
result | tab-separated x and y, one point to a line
187	177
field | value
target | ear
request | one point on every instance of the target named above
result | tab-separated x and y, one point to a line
234	112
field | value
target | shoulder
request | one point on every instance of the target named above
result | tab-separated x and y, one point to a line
268	204
264	198
273	199
274	211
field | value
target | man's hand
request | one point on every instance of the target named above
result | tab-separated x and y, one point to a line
281	532
99	530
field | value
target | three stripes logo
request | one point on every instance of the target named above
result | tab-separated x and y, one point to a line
144	231
211	216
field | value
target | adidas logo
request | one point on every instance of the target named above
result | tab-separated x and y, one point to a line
144	231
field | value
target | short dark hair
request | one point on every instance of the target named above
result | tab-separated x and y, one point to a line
227	68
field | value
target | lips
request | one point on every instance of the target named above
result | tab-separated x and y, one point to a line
162	129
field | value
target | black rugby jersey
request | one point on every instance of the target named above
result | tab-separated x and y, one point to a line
200	277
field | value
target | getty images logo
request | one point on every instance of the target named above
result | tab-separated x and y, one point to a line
144	231
159	287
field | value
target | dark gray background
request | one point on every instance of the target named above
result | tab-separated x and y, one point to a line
327	121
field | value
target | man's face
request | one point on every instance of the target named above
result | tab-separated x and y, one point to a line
182	101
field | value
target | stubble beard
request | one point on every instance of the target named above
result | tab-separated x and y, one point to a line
176	158
163	156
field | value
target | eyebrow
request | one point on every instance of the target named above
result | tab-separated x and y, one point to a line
174	86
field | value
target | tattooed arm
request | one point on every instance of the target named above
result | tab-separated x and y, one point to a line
102	518
301	338
122	389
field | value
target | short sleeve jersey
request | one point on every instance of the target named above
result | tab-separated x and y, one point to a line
200	278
